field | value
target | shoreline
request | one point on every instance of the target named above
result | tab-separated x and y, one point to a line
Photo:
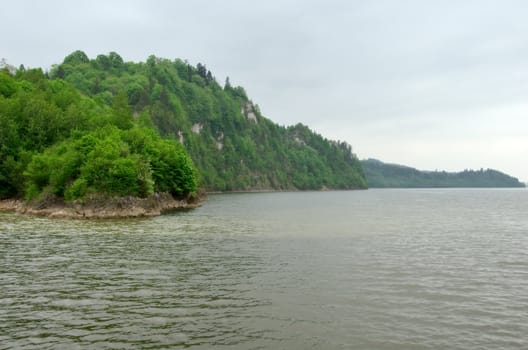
98	207
292	190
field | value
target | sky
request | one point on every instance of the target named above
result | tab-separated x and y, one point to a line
426	83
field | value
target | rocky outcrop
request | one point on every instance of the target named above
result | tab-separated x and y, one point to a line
220	141
180	137
10	204
103	207
197	128
249	112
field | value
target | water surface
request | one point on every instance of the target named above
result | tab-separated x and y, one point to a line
376	269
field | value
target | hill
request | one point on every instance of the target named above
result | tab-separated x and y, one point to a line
231	143
383	175
103	126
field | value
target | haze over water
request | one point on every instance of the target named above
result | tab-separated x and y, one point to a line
376	269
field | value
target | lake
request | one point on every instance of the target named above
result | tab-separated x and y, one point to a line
376	269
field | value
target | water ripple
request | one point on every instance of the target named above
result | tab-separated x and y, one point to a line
444	269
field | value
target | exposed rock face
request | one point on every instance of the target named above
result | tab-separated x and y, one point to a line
98	207
220	141
299	141
9	204
196	128
249	112
180	137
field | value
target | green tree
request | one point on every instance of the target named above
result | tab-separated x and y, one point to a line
122	112
76	57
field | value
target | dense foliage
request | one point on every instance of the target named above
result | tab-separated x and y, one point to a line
231	143
119	162
381	175
55	140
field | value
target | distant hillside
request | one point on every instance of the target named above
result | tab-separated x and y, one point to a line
382	175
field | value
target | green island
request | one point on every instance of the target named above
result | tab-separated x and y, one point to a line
384	175
107	138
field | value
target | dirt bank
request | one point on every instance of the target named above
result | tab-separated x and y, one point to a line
100	207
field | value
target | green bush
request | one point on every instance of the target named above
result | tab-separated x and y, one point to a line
116	162
78	189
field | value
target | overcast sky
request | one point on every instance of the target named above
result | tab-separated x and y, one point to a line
430	84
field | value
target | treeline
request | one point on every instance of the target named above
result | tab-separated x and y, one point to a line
383	175
233	146
56	141
102	125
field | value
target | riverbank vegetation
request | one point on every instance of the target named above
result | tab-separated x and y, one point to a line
105	126
55	141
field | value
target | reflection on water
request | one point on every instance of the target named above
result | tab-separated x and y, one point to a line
386	269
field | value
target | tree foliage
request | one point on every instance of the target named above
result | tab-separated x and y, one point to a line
109	160
231	143
382	175
55	140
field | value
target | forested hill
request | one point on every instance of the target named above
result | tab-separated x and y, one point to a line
383	175
83	104
233	146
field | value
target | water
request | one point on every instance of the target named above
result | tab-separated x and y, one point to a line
376	269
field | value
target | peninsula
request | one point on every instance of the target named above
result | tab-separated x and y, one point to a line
102	129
